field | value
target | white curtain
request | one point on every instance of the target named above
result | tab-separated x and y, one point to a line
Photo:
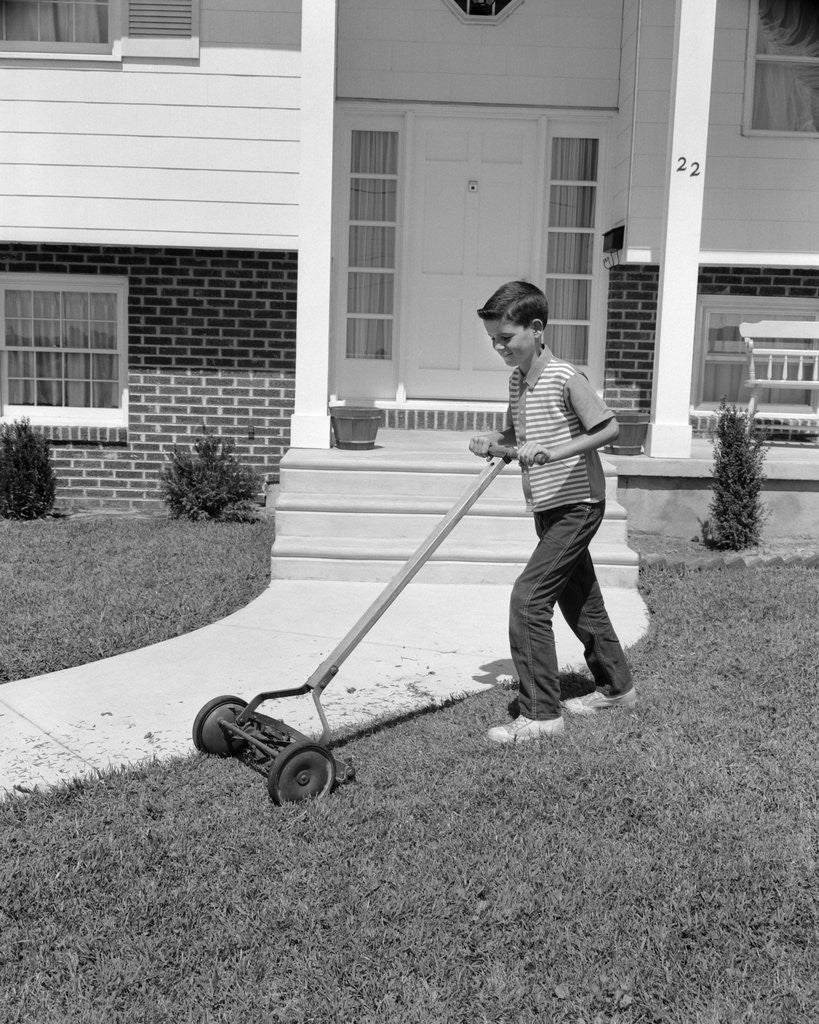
786	95
371	258
49	378
46	333
56	21
570	248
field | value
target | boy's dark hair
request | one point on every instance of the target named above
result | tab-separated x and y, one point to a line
519	302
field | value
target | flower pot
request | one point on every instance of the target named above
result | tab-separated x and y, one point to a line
632	436
355	429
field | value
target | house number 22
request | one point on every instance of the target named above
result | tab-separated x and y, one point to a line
693	168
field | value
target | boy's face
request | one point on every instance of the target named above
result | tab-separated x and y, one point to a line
516	345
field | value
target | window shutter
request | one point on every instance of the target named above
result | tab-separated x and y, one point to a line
161	28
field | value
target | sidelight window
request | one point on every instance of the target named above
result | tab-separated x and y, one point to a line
371	259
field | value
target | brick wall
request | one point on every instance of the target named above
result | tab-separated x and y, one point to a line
632	324
632	318
211	343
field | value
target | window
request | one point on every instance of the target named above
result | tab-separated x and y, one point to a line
570	248
784	67
63	349
139	28
59	25
482	11
371	244
722	362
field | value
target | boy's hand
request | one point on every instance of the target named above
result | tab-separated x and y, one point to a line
532	452
480	446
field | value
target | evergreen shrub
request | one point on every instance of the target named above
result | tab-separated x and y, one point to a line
27	480
210	482
736	513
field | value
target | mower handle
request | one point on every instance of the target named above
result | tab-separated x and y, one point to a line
499	451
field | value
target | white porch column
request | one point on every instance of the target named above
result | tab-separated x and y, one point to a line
310	423
669	433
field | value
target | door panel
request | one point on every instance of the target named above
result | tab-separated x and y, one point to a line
446	315
443	224
471	215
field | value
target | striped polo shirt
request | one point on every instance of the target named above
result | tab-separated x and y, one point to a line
552	404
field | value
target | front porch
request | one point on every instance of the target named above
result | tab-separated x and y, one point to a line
671	496
349	515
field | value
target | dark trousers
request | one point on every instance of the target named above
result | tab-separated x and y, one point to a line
561	572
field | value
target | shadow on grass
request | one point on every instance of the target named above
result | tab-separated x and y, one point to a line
572	684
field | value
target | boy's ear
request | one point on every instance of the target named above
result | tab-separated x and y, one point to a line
537	327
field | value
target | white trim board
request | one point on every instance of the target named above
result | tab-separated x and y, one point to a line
733	259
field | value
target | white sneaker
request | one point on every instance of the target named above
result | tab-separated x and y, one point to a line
522	729
591	703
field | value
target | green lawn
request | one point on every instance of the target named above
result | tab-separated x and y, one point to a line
77	590
651	867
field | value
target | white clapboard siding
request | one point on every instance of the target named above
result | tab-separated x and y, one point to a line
167	120
780	174
58	149
160	150
150	215
126	234
555	53
111	86
768	204
252	58
195	185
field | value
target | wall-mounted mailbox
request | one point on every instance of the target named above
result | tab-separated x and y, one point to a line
613	239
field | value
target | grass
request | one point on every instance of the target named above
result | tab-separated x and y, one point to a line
651	867
77	590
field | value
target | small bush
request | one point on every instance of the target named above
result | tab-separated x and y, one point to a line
736	511
210	483
27	480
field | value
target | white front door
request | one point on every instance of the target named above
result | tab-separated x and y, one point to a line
436	211
471	226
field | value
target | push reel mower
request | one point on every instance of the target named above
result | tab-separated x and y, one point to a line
297	766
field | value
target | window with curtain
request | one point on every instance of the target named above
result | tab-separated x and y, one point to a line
570	246
62	347
373	213
55	23
723	362
786	67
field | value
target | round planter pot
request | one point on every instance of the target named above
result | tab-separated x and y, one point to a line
632	436
355	429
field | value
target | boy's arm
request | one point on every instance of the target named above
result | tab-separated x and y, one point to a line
599	423
595	437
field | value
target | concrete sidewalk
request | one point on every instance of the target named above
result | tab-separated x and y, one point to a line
435	642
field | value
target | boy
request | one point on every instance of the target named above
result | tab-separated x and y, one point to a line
557	422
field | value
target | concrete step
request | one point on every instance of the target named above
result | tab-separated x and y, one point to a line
359	515
305	558
401	518
444	474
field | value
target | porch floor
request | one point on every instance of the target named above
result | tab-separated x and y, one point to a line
785	460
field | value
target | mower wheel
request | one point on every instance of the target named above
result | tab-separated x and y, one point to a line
301	771
209	736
